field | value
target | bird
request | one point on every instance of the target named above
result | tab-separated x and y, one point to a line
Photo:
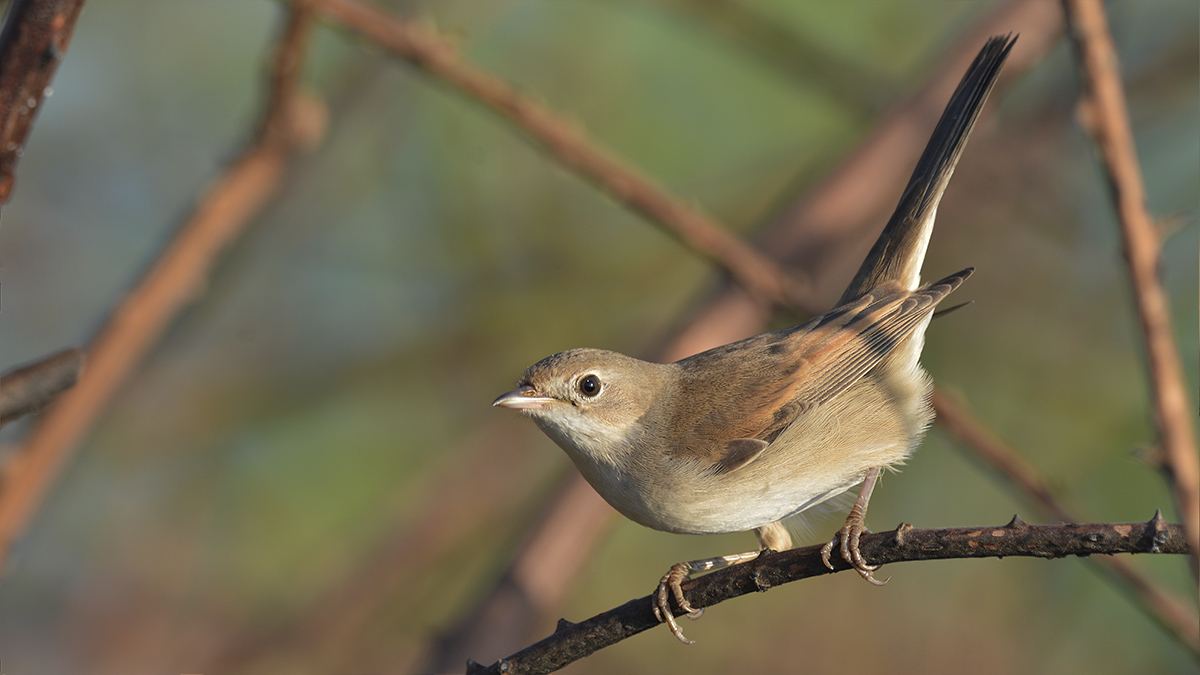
753	435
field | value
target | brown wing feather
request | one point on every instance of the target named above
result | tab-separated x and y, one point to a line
795	370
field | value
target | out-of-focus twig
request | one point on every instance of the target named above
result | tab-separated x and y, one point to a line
29	388
475	479
547	563
1106	118
291	122
32	44
762	36
958	421
438	56
573	641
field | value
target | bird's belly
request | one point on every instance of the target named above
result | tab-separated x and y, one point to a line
747	506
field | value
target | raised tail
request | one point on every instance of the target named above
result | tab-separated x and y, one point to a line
897	255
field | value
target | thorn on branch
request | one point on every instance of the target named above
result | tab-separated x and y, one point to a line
1017	523
1159	527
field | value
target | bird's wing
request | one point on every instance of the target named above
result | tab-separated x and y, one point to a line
795	370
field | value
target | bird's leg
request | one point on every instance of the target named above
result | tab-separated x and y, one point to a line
773	536
848	536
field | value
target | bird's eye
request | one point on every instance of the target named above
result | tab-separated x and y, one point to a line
589	385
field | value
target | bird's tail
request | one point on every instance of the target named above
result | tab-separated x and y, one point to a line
897	255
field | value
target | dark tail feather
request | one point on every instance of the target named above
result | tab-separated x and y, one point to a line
898	253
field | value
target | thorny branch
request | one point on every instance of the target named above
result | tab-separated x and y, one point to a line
1169	611
573	641
290	124
1106	118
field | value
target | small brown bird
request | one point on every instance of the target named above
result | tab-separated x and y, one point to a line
753	433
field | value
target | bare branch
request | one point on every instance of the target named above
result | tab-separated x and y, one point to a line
1107	120
473	479
29	388
542	572
174	279
573	641
34	41
958	421
1170	612
438	56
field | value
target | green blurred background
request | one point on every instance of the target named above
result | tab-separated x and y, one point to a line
333	384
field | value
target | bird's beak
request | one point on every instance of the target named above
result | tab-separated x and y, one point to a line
523	398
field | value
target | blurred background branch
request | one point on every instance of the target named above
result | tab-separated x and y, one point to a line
34	41
310	438
177	276
27	389
1106	118
1159	604
567	144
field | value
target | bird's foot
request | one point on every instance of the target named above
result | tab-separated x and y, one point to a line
670	585
847	539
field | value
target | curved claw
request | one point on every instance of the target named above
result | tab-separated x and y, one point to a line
662	605
851	553
827	549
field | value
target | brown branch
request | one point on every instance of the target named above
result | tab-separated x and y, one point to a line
1107	120
29	388
34	41
760	35
544	569
439	57
823	230
176	277
573	641
473	479
1170	612
958	421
